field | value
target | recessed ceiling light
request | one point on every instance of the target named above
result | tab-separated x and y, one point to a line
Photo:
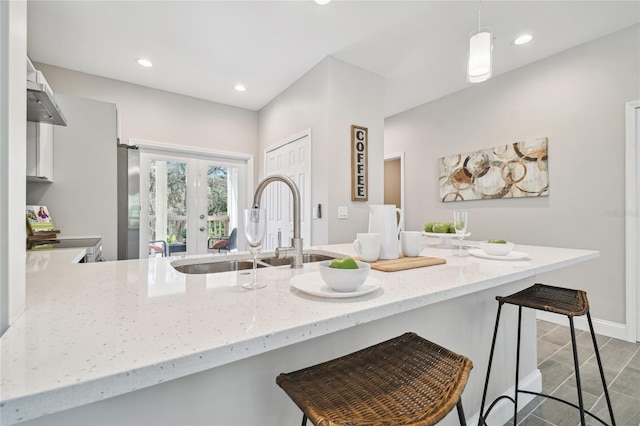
144	62
239	88
523	39
323	2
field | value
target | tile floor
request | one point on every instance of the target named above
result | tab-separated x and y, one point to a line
621	362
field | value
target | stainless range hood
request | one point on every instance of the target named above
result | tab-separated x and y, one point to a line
41	105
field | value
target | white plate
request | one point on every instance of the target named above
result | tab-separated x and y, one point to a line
312	283
444	235
514	255
445	238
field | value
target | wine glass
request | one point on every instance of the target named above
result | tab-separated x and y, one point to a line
460	224
255	225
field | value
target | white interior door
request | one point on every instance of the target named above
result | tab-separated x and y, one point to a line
291	158
632	220
636	216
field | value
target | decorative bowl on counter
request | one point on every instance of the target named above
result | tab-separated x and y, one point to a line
496	249
344	279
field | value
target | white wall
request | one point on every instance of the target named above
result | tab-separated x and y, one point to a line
329	99
160	116
13	116
576	99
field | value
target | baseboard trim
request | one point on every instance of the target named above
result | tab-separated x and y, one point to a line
503	410
603	327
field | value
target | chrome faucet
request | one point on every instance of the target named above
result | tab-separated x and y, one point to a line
295	250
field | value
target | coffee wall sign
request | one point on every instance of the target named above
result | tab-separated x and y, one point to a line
359	166
506	171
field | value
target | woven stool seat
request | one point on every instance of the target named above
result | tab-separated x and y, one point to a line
544	297
405	380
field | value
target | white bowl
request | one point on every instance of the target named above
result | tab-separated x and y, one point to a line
496	249
344	279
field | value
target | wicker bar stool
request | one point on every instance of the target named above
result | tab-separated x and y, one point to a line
402	381
558	300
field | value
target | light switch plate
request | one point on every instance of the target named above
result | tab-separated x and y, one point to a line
343	212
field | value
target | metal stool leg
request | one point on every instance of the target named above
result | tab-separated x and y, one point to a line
481	421
515	394
463	421
304	419
577	369
604	382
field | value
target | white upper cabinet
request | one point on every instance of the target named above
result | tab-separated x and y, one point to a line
39	152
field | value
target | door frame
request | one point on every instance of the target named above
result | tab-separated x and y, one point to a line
632	217
162	148
306	209
399	156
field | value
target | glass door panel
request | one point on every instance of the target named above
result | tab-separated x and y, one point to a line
166	206
220	198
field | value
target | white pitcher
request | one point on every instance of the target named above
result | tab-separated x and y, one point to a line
383	221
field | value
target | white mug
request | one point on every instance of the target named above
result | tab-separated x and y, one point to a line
411	243
367	245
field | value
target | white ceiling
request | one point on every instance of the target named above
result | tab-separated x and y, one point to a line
203	48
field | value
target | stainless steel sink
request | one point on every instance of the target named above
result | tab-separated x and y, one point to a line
212	267
306	258
244	263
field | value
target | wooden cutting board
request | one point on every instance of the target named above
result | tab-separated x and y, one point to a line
403	263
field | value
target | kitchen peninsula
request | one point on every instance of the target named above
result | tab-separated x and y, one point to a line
137	342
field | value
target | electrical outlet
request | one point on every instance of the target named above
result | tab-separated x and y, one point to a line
343	212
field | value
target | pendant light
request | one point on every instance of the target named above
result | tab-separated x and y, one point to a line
479	59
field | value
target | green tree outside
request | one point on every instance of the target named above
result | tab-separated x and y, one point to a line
177	198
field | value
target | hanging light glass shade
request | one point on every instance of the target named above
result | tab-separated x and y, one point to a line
479	62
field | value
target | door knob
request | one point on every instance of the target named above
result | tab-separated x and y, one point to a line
202	228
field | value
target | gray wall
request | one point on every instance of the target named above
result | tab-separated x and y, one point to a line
82	199
329	99
576	99
160	116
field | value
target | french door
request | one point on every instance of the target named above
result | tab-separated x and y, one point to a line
189	202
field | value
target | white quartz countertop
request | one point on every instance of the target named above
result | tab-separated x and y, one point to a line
93	331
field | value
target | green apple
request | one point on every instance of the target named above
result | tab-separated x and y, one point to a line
452	228
440	228
428	227
497	241
343	263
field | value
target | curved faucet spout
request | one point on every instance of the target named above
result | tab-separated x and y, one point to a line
297	239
